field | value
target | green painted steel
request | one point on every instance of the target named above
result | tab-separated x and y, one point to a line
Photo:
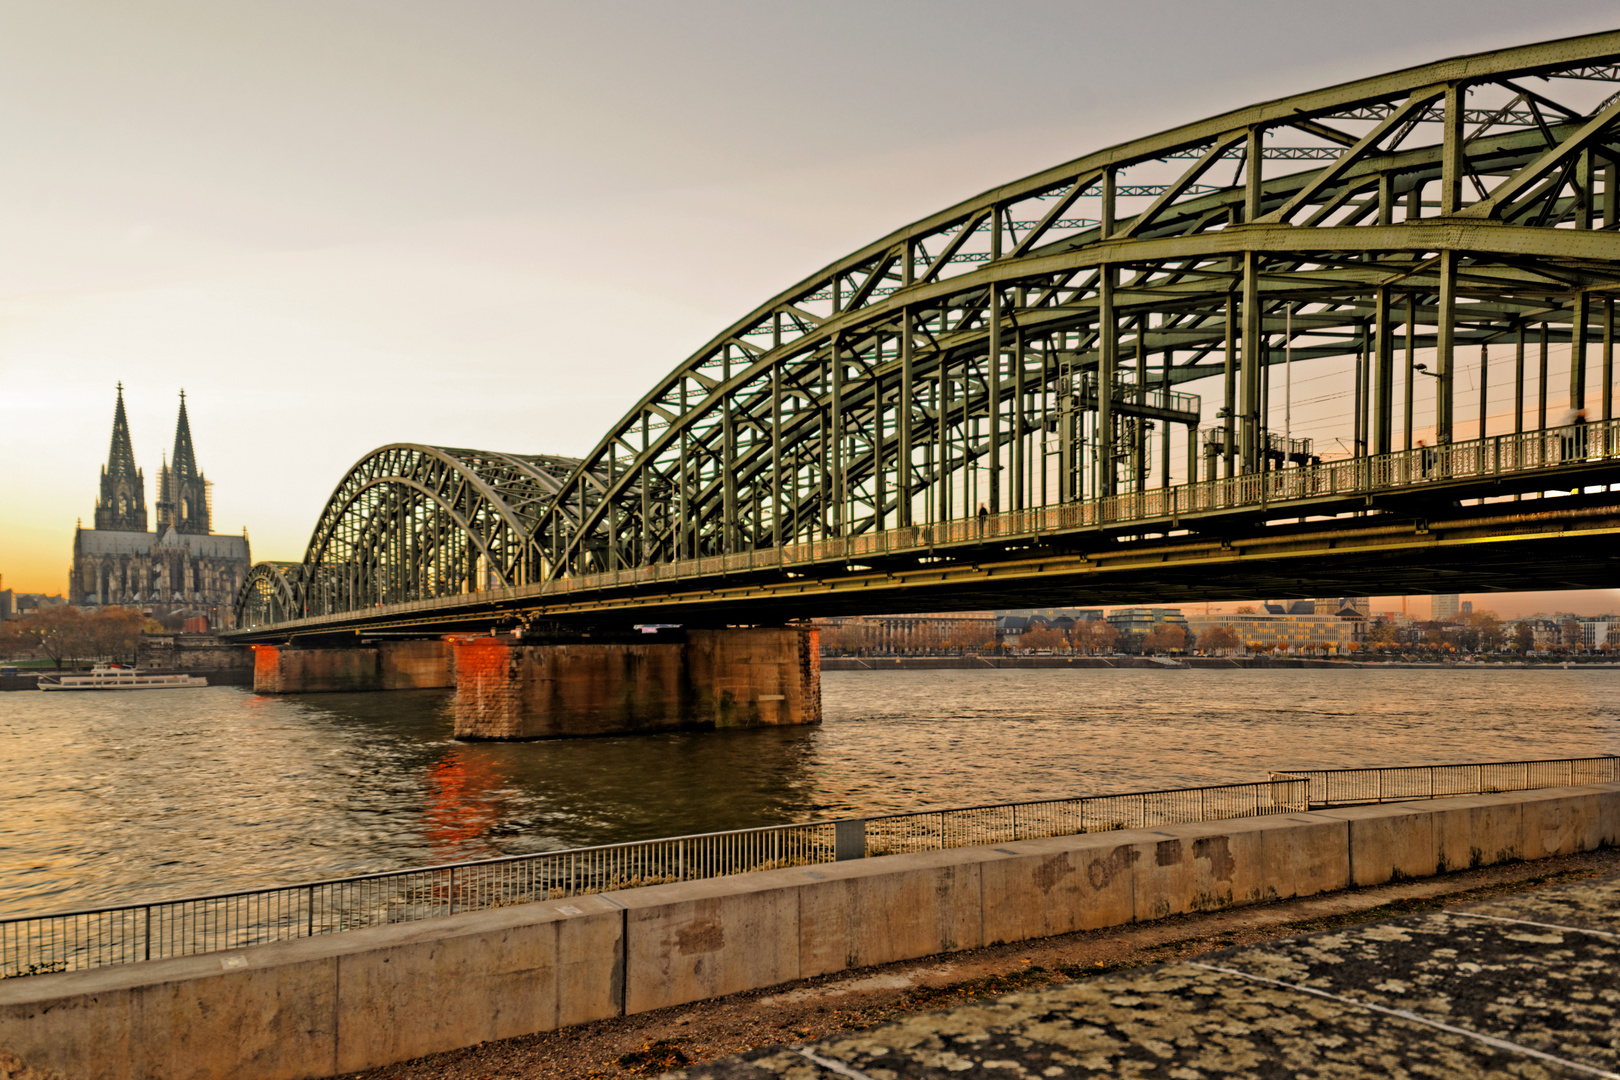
1022	351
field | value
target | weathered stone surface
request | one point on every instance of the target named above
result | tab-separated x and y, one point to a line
1305	854
1476	831
1389	843
1224	865
510	972
873	911
417	665
193	1019
745	677
1057	885
315	671
204	654
701	939
1472	997
326	1004
1567	820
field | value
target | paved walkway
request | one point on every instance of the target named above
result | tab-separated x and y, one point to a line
1524	987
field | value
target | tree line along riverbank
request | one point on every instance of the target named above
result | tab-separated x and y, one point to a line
980	663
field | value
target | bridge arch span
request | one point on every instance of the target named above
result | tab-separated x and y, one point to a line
272	593
414	522
1026	346
1120	332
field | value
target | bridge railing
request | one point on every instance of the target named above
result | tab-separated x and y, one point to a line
1499	455
132	932
1330	787
1477	459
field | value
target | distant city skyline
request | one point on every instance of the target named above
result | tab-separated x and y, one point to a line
340	226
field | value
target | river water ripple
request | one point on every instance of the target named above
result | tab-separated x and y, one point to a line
114	798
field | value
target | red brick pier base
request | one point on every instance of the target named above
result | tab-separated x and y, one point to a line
732	678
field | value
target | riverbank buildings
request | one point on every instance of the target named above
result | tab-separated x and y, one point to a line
1294	631
178	566
1142	621
1444	607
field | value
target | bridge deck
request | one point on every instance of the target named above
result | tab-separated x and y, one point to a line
1394	522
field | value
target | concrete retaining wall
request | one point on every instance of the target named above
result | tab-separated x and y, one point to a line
369	997
200	654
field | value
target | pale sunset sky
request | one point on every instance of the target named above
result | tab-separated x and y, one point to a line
345	223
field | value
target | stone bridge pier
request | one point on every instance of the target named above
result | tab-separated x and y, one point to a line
394	665
509	688
729	678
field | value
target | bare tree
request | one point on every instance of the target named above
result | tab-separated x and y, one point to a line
971	636
1573	633
1166	637
1094	635
113	633
58	632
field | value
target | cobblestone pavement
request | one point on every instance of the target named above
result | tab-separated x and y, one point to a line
1527	986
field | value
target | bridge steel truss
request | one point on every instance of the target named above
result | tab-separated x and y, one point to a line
1023	349
411	522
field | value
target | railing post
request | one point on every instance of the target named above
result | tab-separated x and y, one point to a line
849	839
148	931
310	920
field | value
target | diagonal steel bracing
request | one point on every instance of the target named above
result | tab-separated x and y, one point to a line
1034	347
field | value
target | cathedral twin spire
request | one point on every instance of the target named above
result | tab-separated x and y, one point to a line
182	497
122	506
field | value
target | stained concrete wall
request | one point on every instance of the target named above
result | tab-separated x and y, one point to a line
370	997
203	654
417	665
314	671
746	677
392	665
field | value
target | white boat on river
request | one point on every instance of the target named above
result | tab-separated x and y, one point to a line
115	677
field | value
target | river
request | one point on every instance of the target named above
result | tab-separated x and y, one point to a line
112	798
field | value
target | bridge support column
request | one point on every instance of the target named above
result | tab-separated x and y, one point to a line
735	678
393	665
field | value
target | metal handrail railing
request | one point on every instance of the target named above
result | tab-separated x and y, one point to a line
72	940
1339	787
1495	457
1492	457
97	937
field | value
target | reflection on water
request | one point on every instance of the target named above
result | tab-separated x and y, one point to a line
106	798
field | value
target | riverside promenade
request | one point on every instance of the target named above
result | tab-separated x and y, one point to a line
1526	986
358	999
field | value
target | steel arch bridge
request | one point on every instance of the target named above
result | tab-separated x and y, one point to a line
1438	247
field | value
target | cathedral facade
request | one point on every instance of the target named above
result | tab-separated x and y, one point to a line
180	564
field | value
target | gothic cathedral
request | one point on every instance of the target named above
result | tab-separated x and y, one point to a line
179	566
